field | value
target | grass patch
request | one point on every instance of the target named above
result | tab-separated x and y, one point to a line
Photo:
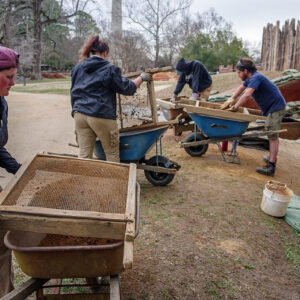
45	80
26	89
292	252
248	266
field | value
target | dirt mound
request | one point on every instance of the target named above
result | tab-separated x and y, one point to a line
165	76
53	75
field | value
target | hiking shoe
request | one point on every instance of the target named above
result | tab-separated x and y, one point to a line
266	158
268	170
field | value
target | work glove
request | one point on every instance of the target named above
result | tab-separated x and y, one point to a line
232	108
146	76
228	103
173	98
195	96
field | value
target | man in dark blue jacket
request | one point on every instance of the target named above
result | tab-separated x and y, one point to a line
196	76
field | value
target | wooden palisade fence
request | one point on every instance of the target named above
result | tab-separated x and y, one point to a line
281	48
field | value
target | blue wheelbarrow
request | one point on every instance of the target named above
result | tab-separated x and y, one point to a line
216	130
135	144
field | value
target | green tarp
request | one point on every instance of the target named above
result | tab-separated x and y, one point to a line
292	215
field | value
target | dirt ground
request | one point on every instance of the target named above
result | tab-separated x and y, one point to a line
201	237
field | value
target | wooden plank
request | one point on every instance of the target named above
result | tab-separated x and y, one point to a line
87	296
151	94
151	71
148	125
181	102
246	111
88	160
234	138
12	183
128	255
156	169
114	288
131	194
24	290
64	226
60	213
224	114
166	104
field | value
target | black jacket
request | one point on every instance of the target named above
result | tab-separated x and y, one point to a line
6	161
95	83
195	74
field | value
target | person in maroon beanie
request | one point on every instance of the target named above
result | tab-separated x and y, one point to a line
9	61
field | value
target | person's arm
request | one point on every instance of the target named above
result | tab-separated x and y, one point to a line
233	99
138	81
238	92
122	85
126	86
8	162
196	77
245	97
180	84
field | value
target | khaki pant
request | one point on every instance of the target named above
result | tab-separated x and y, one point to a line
204	95
6	271
88	128
273	122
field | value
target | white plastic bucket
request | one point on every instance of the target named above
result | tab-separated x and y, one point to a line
275	201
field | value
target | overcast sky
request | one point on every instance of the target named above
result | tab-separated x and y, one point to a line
249	17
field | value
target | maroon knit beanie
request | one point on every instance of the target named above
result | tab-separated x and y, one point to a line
8	58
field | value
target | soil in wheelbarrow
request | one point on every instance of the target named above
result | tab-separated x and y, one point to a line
55	240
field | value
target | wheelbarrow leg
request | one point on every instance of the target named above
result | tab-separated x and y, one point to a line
24	290
115	287
231	157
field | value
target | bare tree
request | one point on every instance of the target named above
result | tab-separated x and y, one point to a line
151	16
130	51
6	11
45	12
41	18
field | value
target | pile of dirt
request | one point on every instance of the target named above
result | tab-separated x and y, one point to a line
54	240
53	75
165	76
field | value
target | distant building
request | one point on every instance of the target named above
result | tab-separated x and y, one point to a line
46	68
227	69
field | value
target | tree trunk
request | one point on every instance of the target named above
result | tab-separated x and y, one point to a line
37	43
156	50
6	24
116	17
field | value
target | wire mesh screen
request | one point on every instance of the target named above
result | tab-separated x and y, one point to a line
71	184
134	110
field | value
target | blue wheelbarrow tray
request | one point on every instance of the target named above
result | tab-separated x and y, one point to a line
135	144
218	127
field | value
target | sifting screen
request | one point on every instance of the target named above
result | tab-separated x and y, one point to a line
71	184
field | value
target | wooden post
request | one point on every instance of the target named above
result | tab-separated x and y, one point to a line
120	110
281	48
152	98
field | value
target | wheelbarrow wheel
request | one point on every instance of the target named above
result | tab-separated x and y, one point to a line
156	178
195	150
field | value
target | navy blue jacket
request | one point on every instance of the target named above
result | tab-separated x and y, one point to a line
194	74
6	161
95	83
